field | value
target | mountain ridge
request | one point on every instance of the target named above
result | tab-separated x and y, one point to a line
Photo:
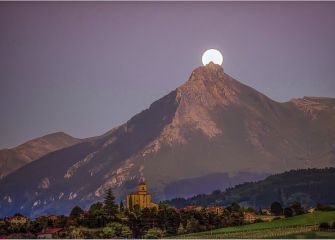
211	124
13	158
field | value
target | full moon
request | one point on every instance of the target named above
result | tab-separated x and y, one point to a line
212	55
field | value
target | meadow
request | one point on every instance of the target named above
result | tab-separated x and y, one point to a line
302	226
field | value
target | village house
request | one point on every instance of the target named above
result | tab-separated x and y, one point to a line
216	210
52	217
49	233
266	218
140	198
265	211
311	210
191	208
17	219
249	217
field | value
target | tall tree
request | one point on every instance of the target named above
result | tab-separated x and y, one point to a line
297	208
276	209
97	216
234	207
109	204
192	225
288	212
76	212
131	204
168	219
134	222
121	206
96	209
76	216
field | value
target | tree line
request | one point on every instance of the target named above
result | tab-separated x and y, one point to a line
309	186
110	220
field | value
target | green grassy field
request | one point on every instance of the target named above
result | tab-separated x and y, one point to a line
282	227
311	235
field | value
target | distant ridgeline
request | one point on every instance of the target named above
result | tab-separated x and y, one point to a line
308	186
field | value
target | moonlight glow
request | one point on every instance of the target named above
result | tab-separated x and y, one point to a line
212	55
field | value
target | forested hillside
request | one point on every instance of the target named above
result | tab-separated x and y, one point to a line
307	186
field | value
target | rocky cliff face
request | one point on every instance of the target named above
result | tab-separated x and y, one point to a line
14	158
211	124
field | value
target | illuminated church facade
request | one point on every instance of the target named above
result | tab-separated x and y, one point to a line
141	198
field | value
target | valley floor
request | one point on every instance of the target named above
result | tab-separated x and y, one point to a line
303	226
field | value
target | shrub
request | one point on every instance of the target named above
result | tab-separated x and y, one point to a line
333	225
192	225
288	212
324	225
120	230
324	207
109	232
76	233
181	229
116	230
154	233
258	220
297	208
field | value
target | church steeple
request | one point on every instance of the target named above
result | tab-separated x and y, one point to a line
142	188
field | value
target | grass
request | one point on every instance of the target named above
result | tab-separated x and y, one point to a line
311	235
285	226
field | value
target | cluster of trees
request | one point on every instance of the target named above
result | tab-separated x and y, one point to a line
29	229
324	207
107	217
151	222
104	215
327	226
109	220
293	210
167	221
296	209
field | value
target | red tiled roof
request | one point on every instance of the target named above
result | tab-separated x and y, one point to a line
51	230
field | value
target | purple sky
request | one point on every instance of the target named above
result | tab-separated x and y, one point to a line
84	68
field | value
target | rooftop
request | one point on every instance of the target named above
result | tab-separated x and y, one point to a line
50	230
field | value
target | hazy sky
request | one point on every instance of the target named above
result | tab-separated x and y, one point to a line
85	67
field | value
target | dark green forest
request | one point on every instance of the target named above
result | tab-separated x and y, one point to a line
307	186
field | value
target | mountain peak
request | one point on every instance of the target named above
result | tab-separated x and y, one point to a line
209	72
208	85
212	65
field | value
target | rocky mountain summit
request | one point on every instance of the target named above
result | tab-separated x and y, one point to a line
211	125
14	158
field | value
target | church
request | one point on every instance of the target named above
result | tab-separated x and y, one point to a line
141	198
